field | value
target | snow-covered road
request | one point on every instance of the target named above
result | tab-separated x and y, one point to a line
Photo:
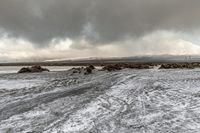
127	101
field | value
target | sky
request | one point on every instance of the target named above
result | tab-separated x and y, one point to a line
32	30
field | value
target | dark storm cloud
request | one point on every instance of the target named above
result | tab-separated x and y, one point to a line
40	21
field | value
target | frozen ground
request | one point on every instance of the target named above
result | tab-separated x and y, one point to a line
127	101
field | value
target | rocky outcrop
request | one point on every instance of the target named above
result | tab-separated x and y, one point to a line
91	67
116	67
172	65
137	66
86	70
77	70
178	66
112	67
32	69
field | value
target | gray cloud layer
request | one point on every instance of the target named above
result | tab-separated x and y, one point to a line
40	21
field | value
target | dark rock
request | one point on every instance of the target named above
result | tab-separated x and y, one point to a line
91	67
137	66
88	70
112	67
77	70
122	66
177	66
32	69
24	70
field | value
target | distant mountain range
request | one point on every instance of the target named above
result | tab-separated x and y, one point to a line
153	58
108	60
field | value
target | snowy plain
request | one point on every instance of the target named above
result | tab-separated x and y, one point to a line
126	101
